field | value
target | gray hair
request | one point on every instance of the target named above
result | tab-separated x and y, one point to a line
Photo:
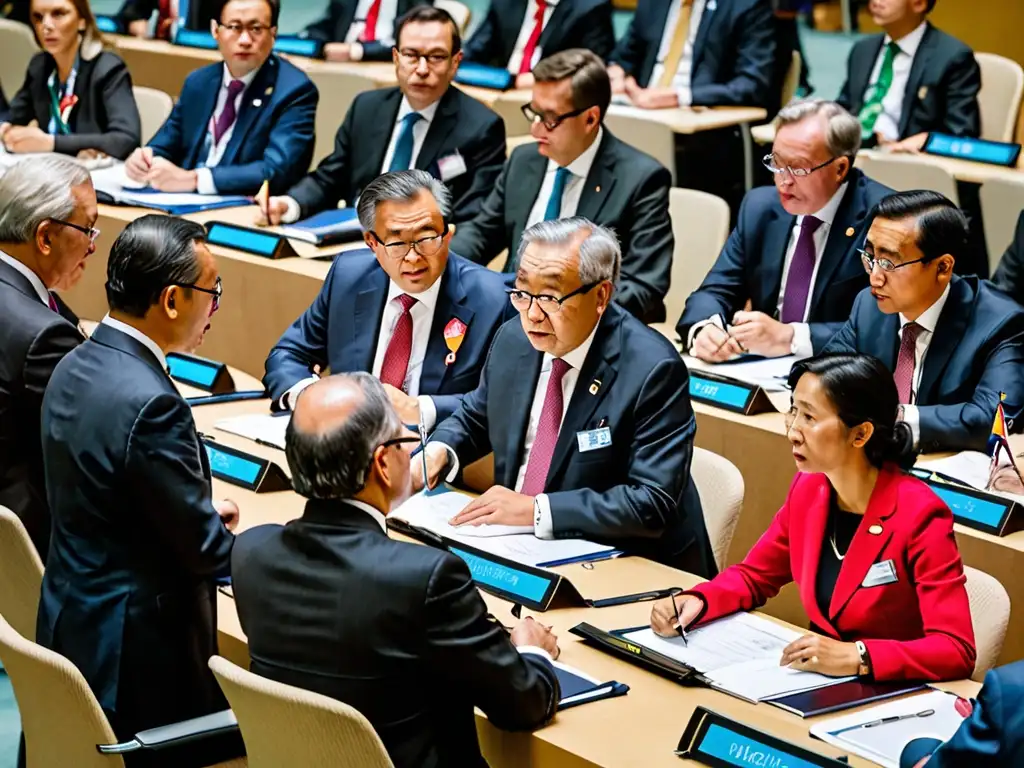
34	190
401	186
843	131
334	464
600	255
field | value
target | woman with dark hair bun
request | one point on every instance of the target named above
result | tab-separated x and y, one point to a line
870	546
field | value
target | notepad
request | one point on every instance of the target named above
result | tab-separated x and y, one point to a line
339	225
577	687
264	429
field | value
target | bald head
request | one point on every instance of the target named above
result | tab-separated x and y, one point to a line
325	406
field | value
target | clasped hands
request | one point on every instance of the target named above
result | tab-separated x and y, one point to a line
25	138
158	172
753	332
644	98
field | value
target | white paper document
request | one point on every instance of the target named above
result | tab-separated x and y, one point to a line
264	429
970	468
768	373
435	510
113	181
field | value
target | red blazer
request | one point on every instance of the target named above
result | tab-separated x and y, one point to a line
917	628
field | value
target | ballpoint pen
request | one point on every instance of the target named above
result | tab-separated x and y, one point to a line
885	721
423	453
679	623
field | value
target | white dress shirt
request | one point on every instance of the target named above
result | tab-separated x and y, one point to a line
573	190
32	277
888	123
928	320
204	177
385	23
139	336
681	79
373	512
525	30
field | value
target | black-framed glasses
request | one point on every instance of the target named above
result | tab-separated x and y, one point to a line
411	57
256	31
425	246
797	173
91	232
549	305
548	121
217	291
886	265
399	441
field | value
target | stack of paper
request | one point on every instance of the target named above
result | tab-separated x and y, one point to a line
112	182
768	373
265	429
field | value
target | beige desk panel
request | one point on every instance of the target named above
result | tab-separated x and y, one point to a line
963	170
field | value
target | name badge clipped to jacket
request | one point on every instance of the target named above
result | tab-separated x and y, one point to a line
880	574
451	166
592	439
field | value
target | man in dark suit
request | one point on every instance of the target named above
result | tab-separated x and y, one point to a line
410	644
38	251
135	16
577	167
587	412
236	124
360	30
423	123
955	345
516	34
408	312
793	255
128	595
911	79
1009	276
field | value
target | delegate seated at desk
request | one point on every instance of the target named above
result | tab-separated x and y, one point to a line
1009	275
135	15
424	123
954	344
870	547
586	409
397	630
360	30
236	124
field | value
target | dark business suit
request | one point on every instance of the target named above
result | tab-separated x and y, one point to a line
975	354
273	134
1009	276
340	329
105	117
460	126
751	263
128	592
625	189
573	24
198	15
635	494
942	90
34	339
334	25
397	630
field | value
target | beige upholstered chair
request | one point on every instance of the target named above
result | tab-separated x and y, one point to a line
21	574
459	12
906	172
511	114
765	134
337	92
1002	200
720	486
1002	85
321	732
17	46
990	614
154	109
655	138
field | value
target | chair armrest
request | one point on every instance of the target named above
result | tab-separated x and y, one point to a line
176	733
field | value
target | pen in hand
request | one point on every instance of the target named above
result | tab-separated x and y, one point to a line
679	623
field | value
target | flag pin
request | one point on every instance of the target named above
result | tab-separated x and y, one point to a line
922	93
270	90
597	188
850	232
595	387
875	530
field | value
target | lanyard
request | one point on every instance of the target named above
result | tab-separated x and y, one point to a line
58	124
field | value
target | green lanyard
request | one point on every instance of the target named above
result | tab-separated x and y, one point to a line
57	124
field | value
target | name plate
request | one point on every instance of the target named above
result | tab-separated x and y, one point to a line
245	470
108	24
295	46
483	76
194	38
258	242
207	375
713	739
983	511
732	395
975	150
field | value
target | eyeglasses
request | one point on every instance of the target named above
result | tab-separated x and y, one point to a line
217	291
256	31
886	265
411	57
92	232
796	173
548	304
425	246
548	121
399	441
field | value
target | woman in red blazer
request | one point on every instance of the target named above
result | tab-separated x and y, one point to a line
870	547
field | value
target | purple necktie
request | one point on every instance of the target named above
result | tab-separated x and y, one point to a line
798	283
228	114
52	302
548	425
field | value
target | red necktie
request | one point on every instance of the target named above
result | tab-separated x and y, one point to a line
52	302
904	374
531	44
543	448
396	358
370	28
164	18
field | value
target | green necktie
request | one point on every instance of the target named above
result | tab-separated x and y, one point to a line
873	104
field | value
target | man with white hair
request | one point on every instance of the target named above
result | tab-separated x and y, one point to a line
586	409
47	213
793	256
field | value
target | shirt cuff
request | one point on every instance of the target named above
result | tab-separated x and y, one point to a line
355	51
543	526
685	96
534	649
292	212
801	346
288	398
204	182
912	418
452	458
695	329
428	412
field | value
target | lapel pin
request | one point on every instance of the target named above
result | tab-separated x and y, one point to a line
454	333
597	188
850	232
270	90
595	387
257	102
875	530
922	93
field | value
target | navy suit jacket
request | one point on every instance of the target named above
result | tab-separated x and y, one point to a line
333	26
733	54
751	263
976	352
341	327
273	136
635	494
1009	276
128	593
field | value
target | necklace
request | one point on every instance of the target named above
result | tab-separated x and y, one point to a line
832	540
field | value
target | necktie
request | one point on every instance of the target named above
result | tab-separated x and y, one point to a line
370	28
872	108
554	208
531	42
678	44
228	114
801	269
164	19
396	357
904	374
550	422
402	159
52	302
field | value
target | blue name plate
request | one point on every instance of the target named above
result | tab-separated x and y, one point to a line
508	581
198	372
975	509
731	395
296	46
254	241
244	470
483	76
194	38
976	150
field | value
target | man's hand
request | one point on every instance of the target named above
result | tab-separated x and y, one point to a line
275	210
497	506
651	98
525	80
338	52
27	138
408	407
713	345
138	164
139	28
759	334
912	145
167	177
663	615
530	632
1008	481
229	514
816	653
437	460
618	77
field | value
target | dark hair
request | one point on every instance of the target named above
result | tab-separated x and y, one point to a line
275	10
862	390
941	226
930	7
590	84
423	14
150	254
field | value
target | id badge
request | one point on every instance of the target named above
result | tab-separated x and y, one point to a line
592	439
880	574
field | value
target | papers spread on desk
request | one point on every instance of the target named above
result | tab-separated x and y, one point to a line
10	159
970	468
261	428
111	182
864	733
738	655
433	512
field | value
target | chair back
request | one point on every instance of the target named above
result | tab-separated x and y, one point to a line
17	47
1002	201
154	109
1002	85
511	113
792	81
904	173
720	486
654	138
21	575
459	12
60	717
321	732
990	614
700	226
337	92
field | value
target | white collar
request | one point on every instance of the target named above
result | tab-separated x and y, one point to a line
930	317
581	165
226	78
910	42
373	512
32	277
427	298
427	113
576	357
139	336
827	214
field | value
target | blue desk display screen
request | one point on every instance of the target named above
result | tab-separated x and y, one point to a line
246	239
737	749
108	24
235	467
971	508
971	149
192	371
195	39
502	577
297	46
718	392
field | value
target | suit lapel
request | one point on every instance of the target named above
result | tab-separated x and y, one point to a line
559	21
445	121
860	75
815	516
597	187
917	69
849	216
368	311
207	104
949	333
388	111
519	387
776	243
451	303
706	20
346	15
519	205
254	101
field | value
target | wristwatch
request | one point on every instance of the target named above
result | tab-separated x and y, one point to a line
864	668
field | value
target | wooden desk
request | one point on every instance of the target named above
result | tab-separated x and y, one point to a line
962	170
